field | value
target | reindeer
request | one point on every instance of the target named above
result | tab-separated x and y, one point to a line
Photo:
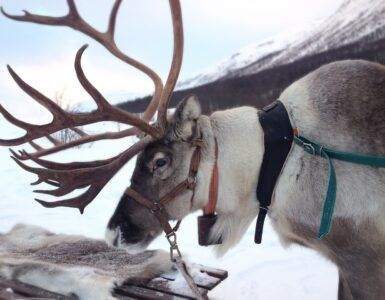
340	105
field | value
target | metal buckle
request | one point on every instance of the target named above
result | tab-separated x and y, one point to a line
197	142
309	148
156	207
191	182
174	249
321	149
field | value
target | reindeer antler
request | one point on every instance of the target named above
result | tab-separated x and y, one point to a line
68	177
94	175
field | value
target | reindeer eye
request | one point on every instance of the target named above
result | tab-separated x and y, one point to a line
161	162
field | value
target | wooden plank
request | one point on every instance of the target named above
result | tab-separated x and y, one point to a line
218	273
31	291
214	273
202	280
136	292
180	289
208	277
8	294
205	277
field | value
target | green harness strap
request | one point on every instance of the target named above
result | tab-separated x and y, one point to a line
329	154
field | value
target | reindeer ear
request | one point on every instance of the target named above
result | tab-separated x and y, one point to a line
188	109
186	113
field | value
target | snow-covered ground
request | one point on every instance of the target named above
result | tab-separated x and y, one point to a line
264	271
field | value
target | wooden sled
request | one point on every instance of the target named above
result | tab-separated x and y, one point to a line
164	287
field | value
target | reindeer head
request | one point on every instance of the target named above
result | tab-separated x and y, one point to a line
160	168
165	149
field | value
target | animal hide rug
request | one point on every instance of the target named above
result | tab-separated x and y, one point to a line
74	265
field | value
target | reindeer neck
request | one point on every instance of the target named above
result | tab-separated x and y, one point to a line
240	143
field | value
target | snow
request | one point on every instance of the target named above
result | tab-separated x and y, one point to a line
248	55
264	271
355	20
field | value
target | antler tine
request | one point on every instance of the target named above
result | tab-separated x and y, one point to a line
28	17
76	175
8	116
176	64
80	202
80	141
61	166
53	140
73	11
55	109
112	20
78	131
72	18
106	39
35	146
104	105
100	101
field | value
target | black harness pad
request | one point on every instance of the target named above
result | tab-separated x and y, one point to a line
278	139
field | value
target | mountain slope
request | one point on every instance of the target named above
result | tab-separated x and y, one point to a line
355	21
355	31
260	51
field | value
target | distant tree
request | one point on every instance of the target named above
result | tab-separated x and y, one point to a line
66	135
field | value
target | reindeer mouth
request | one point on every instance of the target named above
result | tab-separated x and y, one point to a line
116	238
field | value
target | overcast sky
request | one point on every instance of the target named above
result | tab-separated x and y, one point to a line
214	29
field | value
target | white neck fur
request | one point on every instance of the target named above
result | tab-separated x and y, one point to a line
240	142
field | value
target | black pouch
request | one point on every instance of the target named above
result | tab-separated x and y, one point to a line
205	223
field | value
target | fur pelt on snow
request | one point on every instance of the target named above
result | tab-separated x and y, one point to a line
69	264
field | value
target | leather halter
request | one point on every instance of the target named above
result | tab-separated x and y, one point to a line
157	208
209	209
209	218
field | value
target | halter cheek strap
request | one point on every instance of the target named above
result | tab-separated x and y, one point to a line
209	218
213	192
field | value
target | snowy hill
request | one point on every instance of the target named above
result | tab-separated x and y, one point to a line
259	51
355	20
